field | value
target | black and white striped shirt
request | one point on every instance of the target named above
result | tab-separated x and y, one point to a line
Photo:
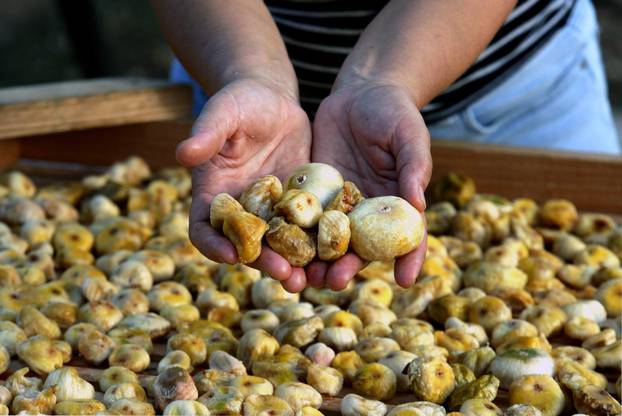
319	34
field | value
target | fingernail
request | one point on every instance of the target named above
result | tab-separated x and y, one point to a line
421	196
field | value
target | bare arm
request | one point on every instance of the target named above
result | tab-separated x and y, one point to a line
252	124
423	45
220	41
370	126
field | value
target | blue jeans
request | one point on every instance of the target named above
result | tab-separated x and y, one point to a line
557	99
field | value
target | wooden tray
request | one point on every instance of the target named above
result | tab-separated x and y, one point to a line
64	131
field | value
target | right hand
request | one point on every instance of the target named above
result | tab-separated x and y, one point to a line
246	130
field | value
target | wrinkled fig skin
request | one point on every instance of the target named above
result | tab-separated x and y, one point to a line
221	207
300	208
384	228
593	400
245	231
299	332
172	384
291	242
484	387
322	180
333	235
260	197
346	199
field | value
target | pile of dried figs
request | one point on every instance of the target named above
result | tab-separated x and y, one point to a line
106	308
317	215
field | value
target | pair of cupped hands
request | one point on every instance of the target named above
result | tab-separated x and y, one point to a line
372	133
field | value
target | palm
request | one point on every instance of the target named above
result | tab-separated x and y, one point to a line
271	136
245	131
378	139
359	134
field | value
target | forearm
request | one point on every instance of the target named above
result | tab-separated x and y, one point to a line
219	41
423	45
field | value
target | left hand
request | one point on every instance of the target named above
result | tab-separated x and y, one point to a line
375	135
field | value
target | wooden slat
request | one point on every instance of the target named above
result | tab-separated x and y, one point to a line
76	105
9	153
155	142
593	183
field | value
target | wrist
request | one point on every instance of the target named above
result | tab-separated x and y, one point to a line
282	81
356	78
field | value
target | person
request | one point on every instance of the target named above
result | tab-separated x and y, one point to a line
371	74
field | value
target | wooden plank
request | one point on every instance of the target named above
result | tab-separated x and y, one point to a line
9	153
76	105
155	142
592	182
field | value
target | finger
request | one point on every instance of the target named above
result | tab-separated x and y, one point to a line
343	270
296	282
217	122
273	264
211	244
411	145
408	266
315	274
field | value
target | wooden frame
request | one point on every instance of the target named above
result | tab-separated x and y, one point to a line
593	183
66	106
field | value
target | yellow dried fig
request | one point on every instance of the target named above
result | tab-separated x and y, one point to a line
578	355
559	213
455	188
431	380
256	344
223	206
300	208
320	179
333	235
260	197
40	354
384	228
261	405
95	347
33	322
484	388
548	319
245	231
573	376
375	381
325	380
291	242
610	295
593	400
541	391
131	356
488	312
346	199
181	316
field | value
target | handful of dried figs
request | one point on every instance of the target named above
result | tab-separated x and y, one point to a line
317	214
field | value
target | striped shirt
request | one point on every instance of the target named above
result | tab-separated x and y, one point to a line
319	34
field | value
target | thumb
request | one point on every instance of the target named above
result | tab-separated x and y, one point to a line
217	122
413	160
